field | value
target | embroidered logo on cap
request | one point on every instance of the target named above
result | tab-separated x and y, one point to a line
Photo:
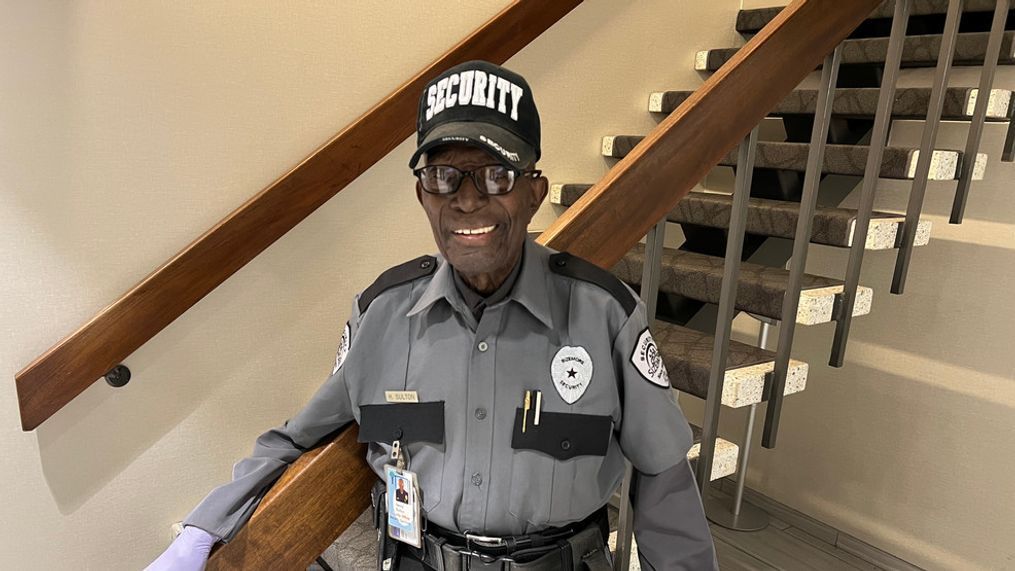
571	371
476	88
648	361
343	349
510	156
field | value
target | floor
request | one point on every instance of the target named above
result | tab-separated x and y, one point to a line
780	546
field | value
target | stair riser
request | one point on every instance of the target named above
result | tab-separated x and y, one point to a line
760	290
918	51
911	103
779	220
751	21
897	162
831	226
688	361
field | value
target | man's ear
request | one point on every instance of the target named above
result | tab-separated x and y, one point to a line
540	186
419	193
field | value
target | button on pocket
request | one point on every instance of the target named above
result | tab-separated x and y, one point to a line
556	467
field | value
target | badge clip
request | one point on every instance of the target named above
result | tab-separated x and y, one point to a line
397	456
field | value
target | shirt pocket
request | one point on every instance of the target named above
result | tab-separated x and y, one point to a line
419	428
551	463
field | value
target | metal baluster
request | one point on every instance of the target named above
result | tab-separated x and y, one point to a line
979	111
649	294
879	136
740	515
801	240
937	95
727	306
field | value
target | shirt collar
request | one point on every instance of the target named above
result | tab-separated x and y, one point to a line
530	288
474	300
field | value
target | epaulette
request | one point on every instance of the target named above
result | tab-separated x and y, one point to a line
398	275
571	266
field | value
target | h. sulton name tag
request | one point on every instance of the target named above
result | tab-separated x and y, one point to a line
401	396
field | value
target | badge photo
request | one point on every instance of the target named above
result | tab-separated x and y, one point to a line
403	505
648	361
571	371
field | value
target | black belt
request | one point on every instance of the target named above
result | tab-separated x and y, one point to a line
580	545
498	546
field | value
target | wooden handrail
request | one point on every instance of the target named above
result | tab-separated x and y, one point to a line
319	496
69	367
612	216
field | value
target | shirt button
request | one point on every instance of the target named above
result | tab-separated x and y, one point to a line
565	444
480	413
483	346
477	479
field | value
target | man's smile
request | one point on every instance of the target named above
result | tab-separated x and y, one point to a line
475	235
475	230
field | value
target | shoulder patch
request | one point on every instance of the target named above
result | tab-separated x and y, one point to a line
398	275
646	359
572	266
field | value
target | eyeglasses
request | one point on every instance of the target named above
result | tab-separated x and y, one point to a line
489	179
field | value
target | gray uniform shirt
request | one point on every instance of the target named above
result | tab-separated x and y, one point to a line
605	396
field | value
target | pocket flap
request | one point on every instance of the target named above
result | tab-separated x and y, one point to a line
408	422
563	435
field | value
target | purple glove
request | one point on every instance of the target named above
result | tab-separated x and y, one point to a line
188	552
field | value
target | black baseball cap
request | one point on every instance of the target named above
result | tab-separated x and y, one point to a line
479	104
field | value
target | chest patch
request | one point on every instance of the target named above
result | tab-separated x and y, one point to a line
571	371
648	361
343	349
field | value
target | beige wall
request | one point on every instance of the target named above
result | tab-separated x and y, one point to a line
128	128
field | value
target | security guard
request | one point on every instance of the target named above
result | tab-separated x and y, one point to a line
501	383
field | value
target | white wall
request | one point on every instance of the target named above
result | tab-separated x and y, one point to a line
127	129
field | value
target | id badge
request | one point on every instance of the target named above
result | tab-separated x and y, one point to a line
403	497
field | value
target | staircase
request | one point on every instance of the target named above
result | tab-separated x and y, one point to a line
690	275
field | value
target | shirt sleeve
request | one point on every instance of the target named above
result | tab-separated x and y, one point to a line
669	522
654	435
225	510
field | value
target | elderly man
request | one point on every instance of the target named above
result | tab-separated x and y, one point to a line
501	384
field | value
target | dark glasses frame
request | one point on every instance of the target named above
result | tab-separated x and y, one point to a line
477	181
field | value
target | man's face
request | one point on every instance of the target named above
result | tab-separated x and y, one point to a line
485	259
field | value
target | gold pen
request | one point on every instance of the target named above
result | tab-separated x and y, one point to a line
525	408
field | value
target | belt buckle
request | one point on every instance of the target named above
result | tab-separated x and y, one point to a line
483	541
476	561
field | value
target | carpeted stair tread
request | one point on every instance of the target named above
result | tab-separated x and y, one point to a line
775	218
918	51
760	289
910	102
688	357
751	21
896	163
